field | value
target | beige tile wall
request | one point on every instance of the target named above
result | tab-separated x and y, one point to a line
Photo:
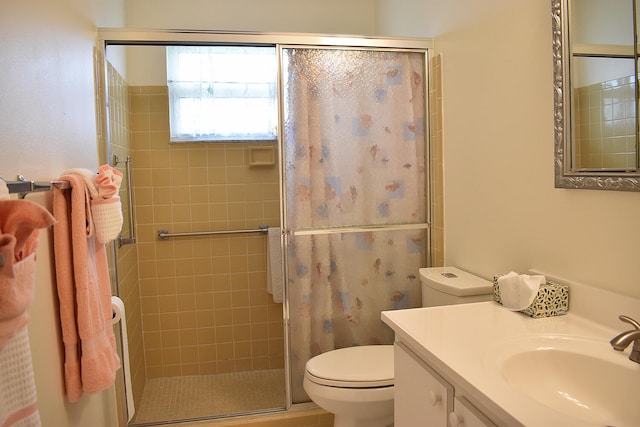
204	303
606	131
126	256
436	141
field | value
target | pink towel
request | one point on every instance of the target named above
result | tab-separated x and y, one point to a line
16	295
108	181
84	292
20	221
18	399
106	208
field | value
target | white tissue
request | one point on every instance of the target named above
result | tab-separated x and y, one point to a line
517	291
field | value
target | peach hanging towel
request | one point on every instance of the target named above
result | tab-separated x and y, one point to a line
84	291
20	221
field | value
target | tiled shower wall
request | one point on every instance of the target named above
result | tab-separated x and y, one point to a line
126	256
204	304
606	129
436	161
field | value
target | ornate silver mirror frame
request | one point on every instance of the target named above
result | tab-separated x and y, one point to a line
565	176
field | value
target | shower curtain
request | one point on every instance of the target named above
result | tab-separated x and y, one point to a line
355	195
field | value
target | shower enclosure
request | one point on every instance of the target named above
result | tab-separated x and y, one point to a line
347	185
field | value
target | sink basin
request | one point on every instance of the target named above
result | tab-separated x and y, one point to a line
586	380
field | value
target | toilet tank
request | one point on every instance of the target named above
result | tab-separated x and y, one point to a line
450	285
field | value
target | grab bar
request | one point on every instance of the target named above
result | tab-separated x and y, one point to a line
24	187
164	234
132	233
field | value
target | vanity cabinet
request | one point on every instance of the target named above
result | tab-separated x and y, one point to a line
424	398
464	414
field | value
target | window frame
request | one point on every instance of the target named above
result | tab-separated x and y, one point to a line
176	94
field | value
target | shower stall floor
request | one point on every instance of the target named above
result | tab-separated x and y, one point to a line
198	396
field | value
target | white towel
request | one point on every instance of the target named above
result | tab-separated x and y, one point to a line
274	266
107	218
517	291
18	405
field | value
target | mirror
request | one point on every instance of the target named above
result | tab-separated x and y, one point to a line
595	56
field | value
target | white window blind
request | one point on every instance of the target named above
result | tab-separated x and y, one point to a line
222	93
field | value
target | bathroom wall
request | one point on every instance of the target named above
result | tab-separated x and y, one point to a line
501	209
47	125
205	307
327	16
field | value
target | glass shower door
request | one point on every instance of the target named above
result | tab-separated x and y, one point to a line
355	192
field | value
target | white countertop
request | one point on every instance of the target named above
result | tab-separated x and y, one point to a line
460	341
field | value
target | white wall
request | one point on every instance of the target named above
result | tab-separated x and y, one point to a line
326	16
47	124
283	16
502	211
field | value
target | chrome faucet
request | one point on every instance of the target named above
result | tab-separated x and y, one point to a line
622	341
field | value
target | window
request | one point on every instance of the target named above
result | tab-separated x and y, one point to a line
222	93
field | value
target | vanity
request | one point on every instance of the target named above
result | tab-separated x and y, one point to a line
480	364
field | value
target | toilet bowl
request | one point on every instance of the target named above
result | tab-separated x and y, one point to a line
353	383
356	384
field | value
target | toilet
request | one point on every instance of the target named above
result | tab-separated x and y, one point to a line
356	383
353	383
450	285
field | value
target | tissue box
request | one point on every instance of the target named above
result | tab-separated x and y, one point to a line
552	300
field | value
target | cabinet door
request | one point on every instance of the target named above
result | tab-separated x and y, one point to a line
422	397
467	415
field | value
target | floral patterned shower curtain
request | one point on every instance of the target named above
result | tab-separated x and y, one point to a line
354	148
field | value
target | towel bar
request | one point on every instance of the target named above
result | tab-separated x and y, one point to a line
132	231
164	234
23	187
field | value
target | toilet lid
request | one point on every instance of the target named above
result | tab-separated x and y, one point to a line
353	367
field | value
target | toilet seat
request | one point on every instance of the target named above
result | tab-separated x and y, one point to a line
353	367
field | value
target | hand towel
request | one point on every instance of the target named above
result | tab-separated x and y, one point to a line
20	221
84	293
107	218
16	295
517	291
106	208
274	266
7	246
23	219
108	181
90	192
18	404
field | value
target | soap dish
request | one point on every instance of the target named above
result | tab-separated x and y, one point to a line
552	300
